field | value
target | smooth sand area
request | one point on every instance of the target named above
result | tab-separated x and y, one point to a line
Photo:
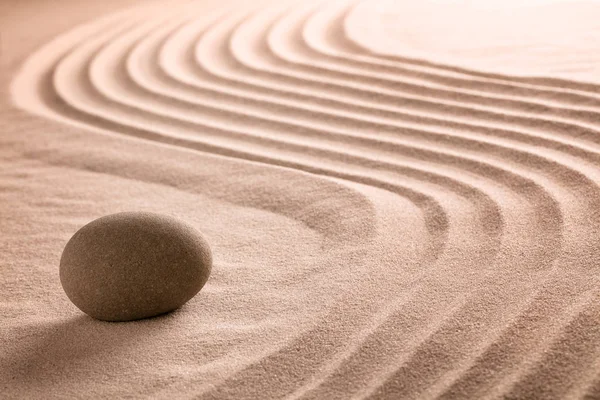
401	197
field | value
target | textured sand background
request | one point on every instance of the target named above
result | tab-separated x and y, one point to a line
401	196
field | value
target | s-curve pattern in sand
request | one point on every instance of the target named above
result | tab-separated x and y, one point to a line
395	211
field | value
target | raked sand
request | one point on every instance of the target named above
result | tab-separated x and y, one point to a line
401	197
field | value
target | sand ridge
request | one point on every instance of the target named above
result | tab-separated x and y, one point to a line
446	216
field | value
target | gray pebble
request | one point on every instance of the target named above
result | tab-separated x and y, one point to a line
134	265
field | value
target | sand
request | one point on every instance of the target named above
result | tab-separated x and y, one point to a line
401	197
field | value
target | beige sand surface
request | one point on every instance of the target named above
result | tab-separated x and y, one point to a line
401	196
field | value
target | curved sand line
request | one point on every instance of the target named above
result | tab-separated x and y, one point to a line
500	172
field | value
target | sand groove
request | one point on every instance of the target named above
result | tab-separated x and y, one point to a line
494	291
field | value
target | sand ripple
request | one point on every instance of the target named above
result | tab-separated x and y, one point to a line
455	209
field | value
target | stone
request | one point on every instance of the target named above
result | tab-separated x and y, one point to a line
134	265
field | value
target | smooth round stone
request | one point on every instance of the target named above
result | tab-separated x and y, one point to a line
134	265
